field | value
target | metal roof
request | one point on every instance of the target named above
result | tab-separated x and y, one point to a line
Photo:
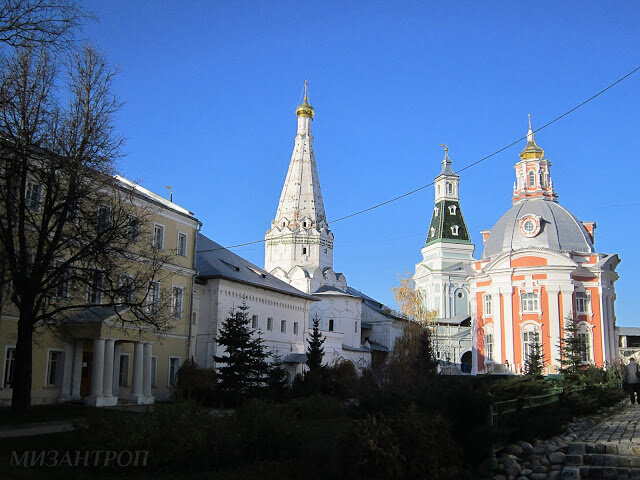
215	261
559	230
628	331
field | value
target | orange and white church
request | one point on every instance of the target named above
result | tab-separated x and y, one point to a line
538	268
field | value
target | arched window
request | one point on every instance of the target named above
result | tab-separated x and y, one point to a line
432	232
331	324
435	211
530	341
532	179
454	229
452	209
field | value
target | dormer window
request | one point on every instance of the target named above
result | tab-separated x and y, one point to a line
454	229
304	224
532	179
432	232
435	211
452	209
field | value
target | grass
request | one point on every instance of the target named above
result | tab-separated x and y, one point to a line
51	413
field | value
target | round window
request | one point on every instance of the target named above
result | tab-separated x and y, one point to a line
529	226
460	294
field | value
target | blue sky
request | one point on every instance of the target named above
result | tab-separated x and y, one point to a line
210	90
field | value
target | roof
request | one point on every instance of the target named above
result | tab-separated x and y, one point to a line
628	331
97	314
374	304
457	319
295	358
560	230
215	261
442	221
152	196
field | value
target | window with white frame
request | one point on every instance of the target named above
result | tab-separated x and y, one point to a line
355	328
9	367
432	232
270	324
54	368
153	297
177	294
158	237
154	370
181	248
32	195
487	306
532	179
449	188
529	302
584	336
452	209
63	285
174	365
95	283
103	220
254	321
488	347
295	328
455	229
435	211
530	341
123	378
283	326
583	302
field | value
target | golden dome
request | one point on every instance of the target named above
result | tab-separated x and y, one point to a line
305	109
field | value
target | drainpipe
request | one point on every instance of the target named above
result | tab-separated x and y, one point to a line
193	279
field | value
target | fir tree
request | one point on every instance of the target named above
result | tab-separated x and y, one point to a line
572	348
534	362
278	377
315	350
245	367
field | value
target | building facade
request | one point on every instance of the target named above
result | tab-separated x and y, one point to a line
299	251
441	276
95	355
538	269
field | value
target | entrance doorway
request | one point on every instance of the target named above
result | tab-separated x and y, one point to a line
466	362
85	378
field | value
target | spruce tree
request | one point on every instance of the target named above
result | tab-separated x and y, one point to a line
315	350
245	367
534	362
278	377
572	348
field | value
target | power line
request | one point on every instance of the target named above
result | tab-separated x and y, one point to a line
415	190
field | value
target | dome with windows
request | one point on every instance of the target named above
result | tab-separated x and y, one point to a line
537	223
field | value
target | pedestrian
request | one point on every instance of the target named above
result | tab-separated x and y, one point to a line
631	380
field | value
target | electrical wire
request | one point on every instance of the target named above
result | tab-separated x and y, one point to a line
466	167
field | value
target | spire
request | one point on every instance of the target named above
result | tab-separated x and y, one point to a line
533	177
446	162
531	150
299	233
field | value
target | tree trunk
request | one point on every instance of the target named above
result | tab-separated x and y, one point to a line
22	373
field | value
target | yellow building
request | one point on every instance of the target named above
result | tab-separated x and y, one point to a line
95	357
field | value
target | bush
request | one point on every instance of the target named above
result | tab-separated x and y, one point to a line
340	380
195	383
185	437
517	386
317	406
407	445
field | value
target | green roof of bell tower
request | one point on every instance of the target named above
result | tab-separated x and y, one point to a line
447	224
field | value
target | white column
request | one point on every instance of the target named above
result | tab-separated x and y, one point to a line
136	386
554	324
507	292
107	385
146	373
97	373
77	370
497	325
65	393
115	387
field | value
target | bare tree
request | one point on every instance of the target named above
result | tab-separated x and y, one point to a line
42	22
69	231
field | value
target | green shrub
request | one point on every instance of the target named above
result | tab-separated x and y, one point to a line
407	445
517	386
316	406
195	383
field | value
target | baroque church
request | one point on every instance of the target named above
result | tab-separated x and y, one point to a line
538	268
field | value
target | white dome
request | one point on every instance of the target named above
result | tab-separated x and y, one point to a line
558	230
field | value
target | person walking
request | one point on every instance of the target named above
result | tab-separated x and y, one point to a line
632	380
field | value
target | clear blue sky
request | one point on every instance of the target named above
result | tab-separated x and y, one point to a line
211	88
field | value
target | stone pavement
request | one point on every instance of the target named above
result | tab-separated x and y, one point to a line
605	447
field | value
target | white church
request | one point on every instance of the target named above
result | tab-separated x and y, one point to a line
298	282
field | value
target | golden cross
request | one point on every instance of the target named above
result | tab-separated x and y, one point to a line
444	145
306	90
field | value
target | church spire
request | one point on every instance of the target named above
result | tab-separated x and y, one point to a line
533	177
299	233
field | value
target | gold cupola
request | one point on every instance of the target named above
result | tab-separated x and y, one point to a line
304	109
531	150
